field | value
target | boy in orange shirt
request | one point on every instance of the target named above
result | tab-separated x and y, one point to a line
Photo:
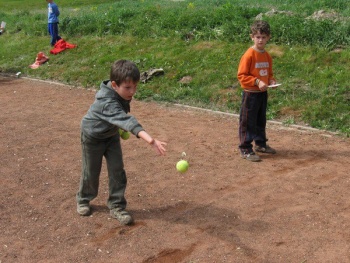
255	74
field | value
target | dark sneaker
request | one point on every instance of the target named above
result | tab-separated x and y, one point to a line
250	156
266	149
122	216
84	209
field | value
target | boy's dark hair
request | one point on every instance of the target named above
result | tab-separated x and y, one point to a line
260	26
124	70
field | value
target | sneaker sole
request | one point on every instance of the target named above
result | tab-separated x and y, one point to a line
256	160
265	152
85	212
127	220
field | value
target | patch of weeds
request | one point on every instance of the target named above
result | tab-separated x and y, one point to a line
288	121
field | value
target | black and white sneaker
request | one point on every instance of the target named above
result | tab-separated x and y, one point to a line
249	155
266	149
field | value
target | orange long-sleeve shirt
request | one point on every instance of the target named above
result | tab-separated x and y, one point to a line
254	65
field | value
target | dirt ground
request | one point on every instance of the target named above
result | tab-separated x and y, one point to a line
291	207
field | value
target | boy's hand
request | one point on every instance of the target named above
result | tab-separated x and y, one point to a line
159	146
273	82
262	86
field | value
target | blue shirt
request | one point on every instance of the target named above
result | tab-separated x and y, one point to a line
53	13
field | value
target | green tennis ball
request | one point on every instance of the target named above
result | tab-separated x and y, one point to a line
182	166
124	134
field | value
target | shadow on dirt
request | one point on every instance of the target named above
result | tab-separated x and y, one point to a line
221	223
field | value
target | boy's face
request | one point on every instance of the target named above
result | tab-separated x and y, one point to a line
126	89
260	40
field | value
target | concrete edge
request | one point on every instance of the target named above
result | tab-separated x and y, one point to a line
294	126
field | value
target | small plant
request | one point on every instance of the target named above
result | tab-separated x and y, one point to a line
288	121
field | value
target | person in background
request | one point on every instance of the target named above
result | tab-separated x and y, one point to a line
53	14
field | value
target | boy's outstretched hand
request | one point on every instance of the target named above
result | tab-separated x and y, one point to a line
159	146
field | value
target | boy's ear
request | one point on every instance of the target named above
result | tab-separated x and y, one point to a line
114	84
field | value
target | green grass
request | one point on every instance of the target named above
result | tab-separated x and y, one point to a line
201	39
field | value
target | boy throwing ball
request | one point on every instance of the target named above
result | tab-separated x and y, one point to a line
100	137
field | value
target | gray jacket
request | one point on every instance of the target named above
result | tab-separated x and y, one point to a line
107	114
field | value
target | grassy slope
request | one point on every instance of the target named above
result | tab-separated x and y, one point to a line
315	80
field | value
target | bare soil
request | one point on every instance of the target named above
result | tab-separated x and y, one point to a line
291	207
